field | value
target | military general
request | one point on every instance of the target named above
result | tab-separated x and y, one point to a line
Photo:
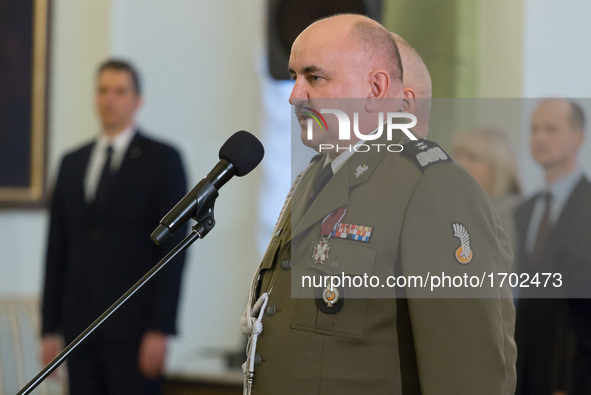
376	205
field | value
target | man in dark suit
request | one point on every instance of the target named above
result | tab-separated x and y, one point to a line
552	334
109	197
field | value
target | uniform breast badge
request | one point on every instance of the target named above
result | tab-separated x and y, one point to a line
360	170
329	225
330	295
321	251
463	253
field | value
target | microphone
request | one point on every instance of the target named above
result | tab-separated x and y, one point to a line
239	155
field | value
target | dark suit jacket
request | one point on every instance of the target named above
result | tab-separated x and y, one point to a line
549	357
95	254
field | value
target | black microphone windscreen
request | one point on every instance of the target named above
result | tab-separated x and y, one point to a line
244	151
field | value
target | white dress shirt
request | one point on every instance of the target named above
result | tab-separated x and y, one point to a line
98	156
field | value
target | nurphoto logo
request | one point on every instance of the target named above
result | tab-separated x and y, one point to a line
344	132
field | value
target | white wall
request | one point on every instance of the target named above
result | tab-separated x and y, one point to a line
556	62
556	59
197	59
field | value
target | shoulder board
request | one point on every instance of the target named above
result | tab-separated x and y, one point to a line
425	153
316	158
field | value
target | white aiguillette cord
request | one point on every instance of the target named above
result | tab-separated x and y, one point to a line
252	326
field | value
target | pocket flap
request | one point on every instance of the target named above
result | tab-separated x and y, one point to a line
345	256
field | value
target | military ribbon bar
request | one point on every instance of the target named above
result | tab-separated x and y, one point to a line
353	232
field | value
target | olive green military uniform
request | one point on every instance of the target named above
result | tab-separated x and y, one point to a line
378	345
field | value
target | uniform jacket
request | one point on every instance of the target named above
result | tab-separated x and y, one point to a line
552	334
389	344
95	254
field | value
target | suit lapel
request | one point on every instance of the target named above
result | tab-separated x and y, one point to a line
303	191
80	174
562	231
134	151
333	195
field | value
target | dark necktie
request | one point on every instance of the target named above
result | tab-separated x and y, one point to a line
105	175
322	179
543	231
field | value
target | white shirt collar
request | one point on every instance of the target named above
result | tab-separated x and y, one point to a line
120	142
562	189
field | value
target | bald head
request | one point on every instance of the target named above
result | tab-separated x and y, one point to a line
373	43
416	85
379	47
416	74
344	57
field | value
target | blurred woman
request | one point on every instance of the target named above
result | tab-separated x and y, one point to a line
490	158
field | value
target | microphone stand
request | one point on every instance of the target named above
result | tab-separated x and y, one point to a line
204	224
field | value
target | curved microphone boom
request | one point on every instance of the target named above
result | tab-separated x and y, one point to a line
239	155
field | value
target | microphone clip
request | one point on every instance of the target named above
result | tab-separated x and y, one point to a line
205	221
201	211
204	210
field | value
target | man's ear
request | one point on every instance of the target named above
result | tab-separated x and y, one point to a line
580	137
139	101
409	100
379	86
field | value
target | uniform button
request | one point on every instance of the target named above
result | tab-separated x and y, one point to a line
271	310
257	360
286	264
277	233
333	265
